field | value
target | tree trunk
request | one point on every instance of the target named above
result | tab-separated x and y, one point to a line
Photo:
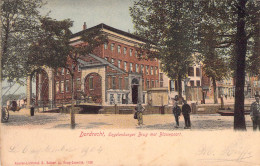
241	44
179	87
215	90
72	111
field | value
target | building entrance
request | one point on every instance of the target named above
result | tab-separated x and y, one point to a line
135	85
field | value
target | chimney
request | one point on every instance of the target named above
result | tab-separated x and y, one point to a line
84	26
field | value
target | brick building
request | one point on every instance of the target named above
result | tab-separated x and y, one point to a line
113	74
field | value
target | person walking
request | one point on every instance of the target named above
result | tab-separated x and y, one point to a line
255	112
186	110
139	110
176	110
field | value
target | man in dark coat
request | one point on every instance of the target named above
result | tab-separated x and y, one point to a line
255	112
186	110
176	110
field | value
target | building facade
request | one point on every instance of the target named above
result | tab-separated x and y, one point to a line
113	74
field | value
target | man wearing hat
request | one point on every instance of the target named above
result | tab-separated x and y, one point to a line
255	112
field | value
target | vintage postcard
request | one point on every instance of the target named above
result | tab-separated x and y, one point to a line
127	82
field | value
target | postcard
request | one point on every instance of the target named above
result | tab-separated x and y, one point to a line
94	83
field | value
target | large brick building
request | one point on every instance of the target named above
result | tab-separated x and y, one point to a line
113	74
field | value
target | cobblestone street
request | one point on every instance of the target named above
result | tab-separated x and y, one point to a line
23	119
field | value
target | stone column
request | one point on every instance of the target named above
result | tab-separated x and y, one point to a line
29	91
51	87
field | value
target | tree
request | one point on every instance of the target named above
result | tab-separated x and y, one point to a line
168	27
20	25
215	38
53	49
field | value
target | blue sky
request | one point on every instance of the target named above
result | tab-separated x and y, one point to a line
114	13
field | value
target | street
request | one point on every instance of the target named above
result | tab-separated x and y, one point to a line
22	119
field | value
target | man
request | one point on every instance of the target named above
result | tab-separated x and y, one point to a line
139	109
255	112
186	110
176	110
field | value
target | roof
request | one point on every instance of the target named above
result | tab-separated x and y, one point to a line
104	26
103	63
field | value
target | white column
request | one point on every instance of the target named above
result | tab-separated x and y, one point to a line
29	91
51	84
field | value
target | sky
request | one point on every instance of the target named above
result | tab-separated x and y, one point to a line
114	13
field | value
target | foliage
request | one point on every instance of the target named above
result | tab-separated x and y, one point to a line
20	26
168	27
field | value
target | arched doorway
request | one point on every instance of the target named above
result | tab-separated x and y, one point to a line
135	85
93	87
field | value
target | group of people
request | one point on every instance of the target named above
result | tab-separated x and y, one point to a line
185	110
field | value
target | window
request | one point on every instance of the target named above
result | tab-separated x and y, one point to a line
136	68
119	98
135	53
125	68
125	50
131	67
119	49
156	71
57	86
112	46
68	72
62	71
142	68
152	84
171	85
191	83
62	86
78	84
157	83
147	83
105	46
161	79
113	82
143	84
112	100
131	52
119	64
147	70
197	72
112	61
120	83
67	86
126	82
90	83
151	70
191	71
198	83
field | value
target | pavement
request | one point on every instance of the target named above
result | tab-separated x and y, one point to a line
22	119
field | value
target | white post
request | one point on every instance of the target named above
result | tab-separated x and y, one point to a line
29	91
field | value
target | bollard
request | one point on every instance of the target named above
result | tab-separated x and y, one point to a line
32	111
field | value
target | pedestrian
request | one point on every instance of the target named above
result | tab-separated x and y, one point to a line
255	112
186	110
139	110
176	110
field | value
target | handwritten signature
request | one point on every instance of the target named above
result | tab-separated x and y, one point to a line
229	153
